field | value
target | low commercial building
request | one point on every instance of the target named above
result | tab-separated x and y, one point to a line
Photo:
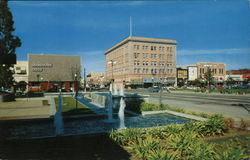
182	76
53	72
95	79
142	61
244	73
218	70
21	71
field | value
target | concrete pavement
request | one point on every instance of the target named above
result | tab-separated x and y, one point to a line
24	108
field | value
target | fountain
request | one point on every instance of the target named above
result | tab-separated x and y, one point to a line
58	121
115	90
110	105
122	109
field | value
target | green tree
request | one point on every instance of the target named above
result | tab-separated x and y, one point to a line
209	77
22	86
8	43
230	81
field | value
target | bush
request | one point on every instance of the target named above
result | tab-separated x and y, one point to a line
243	124
126	136
35	94
229	122
215	125
145	106
232	154
143	147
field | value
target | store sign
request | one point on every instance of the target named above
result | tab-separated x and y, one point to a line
182	73
192	73
40	67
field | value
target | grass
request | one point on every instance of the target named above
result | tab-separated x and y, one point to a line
69	107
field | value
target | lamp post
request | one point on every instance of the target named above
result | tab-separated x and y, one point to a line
41	83
76	90
112	62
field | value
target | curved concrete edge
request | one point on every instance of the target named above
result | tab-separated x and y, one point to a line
52	106
184	115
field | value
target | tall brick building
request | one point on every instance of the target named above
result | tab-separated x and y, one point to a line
141	60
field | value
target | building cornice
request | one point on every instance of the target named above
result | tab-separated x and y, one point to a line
143	40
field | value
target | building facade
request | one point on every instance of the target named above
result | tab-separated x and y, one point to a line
140	60
21	71
95	79
53	72
218	70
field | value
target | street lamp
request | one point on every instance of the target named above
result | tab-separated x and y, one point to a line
112	62
76	90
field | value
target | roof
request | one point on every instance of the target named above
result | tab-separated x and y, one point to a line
141	39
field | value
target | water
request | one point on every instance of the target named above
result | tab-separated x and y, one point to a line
58	120
44	128
122	109
121	113
115	90
110	105
34	129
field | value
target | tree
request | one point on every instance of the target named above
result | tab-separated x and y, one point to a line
22	86
8	43
230	81
209	77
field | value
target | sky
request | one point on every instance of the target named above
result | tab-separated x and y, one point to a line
205	30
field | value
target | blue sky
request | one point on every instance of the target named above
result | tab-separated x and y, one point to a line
210	31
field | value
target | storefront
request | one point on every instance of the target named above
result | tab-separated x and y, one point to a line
53	72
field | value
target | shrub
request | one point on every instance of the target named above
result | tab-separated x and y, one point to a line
143	147
243	124
232	154
229	122
213	126
161	154
126	136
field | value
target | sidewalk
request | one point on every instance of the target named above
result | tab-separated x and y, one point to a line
24	108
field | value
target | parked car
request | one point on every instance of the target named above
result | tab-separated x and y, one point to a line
153	89
220	87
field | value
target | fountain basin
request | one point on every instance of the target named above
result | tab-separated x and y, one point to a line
102	99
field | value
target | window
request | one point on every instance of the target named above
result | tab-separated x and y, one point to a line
135	63
146	63
138	63
143	63
138	70
154	55
152	48
136	55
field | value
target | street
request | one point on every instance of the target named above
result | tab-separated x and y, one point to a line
235	106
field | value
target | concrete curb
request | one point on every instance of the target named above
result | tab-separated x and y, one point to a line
184	115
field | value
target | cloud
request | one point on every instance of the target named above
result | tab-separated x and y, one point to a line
214	51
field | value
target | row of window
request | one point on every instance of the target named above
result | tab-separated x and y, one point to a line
153	48
153	71
147	55
152	63
213	70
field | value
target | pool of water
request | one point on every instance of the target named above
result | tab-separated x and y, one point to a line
31	129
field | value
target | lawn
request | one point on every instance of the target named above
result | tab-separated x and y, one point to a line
69	107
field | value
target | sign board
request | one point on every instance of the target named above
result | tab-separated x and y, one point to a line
192	73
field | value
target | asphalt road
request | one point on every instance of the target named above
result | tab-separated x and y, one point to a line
235	106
